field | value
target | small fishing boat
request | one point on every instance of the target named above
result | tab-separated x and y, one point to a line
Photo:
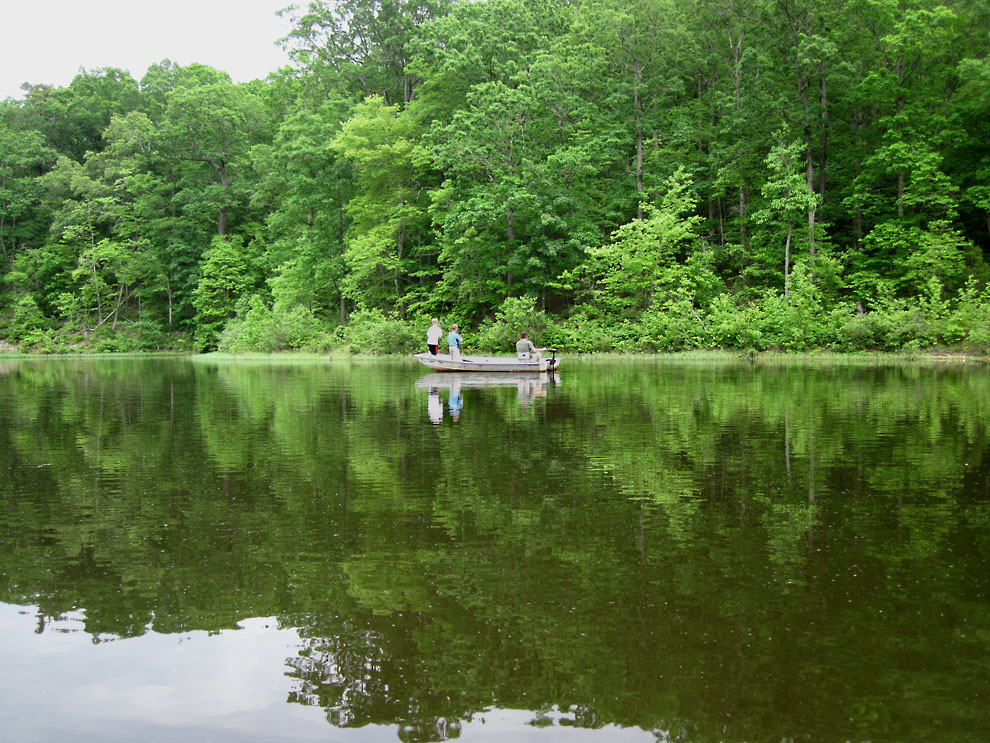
447	363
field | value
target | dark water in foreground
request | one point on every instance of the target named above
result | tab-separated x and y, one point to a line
693	551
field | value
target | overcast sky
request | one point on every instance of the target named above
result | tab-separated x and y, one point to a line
47	41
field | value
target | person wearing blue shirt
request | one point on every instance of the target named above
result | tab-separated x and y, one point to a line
454	342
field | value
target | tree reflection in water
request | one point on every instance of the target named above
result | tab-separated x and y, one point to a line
703	551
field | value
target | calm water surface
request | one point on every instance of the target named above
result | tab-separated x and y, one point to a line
208	550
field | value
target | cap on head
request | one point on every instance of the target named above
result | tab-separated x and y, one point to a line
435	320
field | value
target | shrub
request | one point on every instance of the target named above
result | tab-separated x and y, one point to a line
258	329
582	334
732	326
889	329
298	329
225	279
148	335
978	338
27	322
371	331
867	331
800	320
106	340
628	336
517	314
969	321
674	327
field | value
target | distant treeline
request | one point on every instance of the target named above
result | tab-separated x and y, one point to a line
637	175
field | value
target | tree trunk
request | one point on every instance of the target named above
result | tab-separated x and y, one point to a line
340	242
721	222
737	79
3	244
743	228
857	227
799	26
510	234
96	288
811	189
225	181
899	70
120	293
638	129
900	192
787	261
711	189
857	169
400	244
823	152
736	63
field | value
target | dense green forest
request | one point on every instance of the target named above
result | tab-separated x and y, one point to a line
642	175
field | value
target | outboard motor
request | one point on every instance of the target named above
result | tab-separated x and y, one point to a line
552	366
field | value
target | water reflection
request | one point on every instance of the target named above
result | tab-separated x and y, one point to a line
669	551
455	402
170	688
434	406
528	387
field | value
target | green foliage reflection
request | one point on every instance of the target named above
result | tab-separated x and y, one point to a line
742	551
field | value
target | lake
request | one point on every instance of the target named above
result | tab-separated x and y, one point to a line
199	549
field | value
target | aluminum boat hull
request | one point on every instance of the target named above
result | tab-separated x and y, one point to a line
445	363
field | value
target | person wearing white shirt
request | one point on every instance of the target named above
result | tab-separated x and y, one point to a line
433	335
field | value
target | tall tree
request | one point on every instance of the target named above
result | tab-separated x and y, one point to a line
787	195
227	277
310	186
73	118
23	158
657	261
487	204
207	132
361	47
487	42
388	233
163	77
642	40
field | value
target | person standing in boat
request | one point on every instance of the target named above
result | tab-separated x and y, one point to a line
433	335
525	350
454	343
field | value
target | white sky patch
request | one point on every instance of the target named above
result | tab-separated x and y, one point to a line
230	687
47	41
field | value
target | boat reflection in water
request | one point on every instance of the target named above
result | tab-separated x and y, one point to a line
527	386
